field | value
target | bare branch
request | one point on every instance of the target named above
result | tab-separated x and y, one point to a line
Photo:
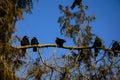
65	47
52	45
46	63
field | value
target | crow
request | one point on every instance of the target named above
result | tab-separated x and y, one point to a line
24	42
34	41
60	42
97	43
115	46
76	2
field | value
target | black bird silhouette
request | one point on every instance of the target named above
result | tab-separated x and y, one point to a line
97	43
34	41
60	42
115	46
75	3
24	42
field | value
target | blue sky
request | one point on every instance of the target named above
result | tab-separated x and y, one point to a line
107	20
42	23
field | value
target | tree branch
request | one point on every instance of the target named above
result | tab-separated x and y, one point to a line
65	47
53	45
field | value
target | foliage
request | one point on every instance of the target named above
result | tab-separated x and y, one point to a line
10	12
78	63
82	63
76	25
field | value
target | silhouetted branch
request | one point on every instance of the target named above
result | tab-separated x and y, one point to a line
65	47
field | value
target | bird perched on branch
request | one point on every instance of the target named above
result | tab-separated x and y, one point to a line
115	46
34	41
60	42
75	3
24	42
97	43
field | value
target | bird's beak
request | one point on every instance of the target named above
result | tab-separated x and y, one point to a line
55	38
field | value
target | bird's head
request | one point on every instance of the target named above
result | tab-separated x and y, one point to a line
97	38
26	36
56	38
34	38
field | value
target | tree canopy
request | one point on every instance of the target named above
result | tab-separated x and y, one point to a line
89	59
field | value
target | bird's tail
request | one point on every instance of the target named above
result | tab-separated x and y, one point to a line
35	49
96	52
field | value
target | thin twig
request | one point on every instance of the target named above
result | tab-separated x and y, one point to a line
45	63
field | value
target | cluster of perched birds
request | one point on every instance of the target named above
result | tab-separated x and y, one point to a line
25	41
34	41
97	45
